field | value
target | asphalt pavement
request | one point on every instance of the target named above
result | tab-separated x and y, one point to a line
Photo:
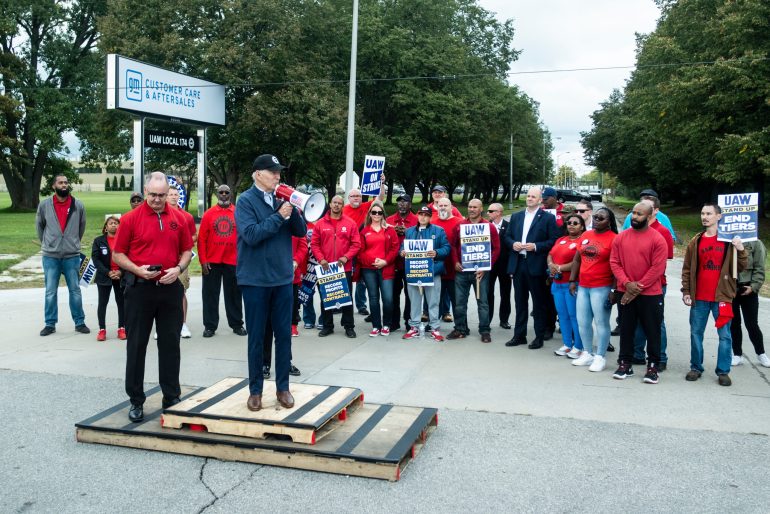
519	429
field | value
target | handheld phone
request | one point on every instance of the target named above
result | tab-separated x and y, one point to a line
155	267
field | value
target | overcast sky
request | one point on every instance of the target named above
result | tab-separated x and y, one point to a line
560	34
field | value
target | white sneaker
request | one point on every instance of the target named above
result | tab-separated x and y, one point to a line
561	352
585	359
574	353
738	360
764	360
598	364
185	331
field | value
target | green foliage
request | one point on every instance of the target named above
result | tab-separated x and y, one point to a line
123	183
114	186
693	131
107	186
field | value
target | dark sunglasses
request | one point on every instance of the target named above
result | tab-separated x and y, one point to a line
581	211
573	223
599	217
490	211
223	192
376	213
136	200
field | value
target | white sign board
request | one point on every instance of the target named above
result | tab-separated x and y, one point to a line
150	91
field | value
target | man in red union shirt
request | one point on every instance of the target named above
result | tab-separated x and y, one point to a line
217	252
638	261
708	287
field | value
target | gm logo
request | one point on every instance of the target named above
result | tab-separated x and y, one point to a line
133	85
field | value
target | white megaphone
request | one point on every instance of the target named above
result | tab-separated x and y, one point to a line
311	206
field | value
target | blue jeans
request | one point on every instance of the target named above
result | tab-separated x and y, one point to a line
447	297
699	316
53	269
360	294
640	339
464	281
592	306
431	295
566	307
308	311
378	287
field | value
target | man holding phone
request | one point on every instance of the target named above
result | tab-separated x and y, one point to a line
153	246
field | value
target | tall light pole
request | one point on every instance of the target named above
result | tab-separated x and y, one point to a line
545	177
351	102
510	177
557	164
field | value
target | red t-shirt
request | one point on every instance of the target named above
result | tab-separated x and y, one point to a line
449	229
147	237
397	221
190	220
595	251
111	244
563	252
373	246
218	236
357	214
62	210
711	255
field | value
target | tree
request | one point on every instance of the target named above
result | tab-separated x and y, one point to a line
48	66
122	183
114	186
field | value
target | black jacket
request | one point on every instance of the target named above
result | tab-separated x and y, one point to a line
102	257
543	232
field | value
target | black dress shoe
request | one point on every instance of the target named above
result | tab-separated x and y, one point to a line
82	329
265	372
350	333
547	336
535	344
505	325
661	366
611	348
368	319
136	414
208	333
516	341
240	331
169	403
615	331
47	331
294	371
363	312
325	332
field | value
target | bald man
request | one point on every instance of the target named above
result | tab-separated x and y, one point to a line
530	236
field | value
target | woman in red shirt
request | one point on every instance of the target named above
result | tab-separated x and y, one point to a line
559	264
107	276
377	258
592	281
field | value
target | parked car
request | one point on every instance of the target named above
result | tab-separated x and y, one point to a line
571	195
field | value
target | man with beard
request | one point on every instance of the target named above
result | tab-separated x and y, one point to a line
400	221
638	261
444	218
60	223
437	193
217	253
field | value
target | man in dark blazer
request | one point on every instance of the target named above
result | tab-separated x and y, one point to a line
499	270
530	236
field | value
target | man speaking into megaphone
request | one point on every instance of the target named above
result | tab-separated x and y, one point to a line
265	273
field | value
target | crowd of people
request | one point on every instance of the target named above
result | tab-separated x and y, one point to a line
575	265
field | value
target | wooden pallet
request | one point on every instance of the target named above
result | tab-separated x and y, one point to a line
378	441
221	409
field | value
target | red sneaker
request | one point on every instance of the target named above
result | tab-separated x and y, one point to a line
294	331
121	333
102	335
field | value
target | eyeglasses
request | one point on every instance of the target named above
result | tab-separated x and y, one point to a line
573	223
223	192
581	211
159	196
490	211
376	213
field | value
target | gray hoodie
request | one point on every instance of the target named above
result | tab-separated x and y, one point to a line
54	242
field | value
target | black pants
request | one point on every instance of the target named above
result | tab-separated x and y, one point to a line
267	344
500	273
748	306
399	285
104	299
327	317
525	285
648	312
162	304
221	274
550	312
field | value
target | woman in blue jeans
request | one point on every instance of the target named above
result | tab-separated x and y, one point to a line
591	272
376	259
559	265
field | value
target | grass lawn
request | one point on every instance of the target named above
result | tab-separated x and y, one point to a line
19	238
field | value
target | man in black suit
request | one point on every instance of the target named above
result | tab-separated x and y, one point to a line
530	236
500	269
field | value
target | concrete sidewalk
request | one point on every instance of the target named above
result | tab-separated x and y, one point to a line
519	429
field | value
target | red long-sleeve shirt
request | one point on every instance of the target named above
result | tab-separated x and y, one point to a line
218	237
639	256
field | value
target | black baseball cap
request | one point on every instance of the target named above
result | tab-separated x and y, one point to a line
649	192
267	162
404	198
438	187
424	209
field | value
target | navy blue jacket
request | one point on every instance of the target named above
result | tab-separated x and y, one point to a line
440	244
543	232
264	241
